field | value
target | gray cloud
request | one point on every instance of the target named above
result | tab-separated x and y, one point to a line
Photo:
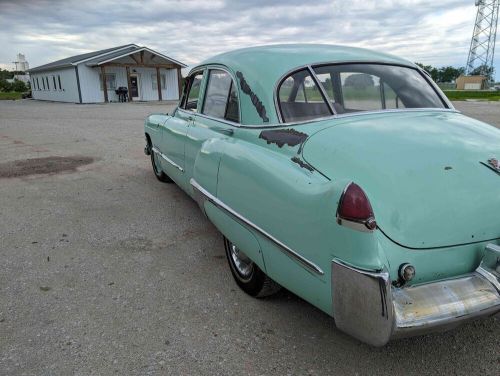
428	31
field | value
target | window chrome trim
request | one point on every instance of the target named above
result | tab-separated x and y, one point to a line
286	250
155	150
206	68
434	86
322	90
194	72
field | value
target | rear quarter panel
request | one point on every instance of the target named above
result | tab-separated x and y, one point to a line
296	206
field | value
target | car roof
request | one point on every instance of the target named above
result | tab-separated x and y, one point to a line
263	66
289	56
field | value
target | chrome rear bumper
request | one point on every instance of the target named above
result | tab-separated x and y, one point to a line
368	307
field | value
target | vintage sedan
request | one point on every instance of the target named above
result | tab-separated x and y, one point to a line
347	177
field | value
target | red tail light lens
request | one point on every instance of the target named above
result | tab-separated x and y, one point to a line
355	207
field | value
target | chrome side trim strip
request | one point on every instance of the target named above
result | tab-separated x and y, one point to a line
287	250
155	150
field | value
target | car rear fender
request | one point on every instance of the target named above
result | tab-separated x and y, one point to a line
291	210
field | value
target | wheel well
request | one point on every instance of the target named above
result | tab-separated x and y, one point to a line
148	139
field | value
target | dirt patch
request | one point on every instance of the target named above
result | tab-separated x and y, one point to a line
45	165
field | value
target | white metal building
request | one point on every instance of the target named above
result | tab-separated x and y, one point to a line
148	76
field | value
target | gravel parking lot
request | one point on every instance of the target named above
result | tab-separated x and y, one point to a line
105	270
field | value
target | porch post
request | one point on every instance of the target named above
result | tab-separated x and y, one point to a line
179	80
104	85
128	83
159	82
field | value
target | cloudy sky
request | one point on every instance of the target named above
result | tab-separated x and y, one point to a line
427	31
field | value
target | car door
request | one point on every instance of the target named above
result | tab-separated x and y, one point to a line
174	130
217	118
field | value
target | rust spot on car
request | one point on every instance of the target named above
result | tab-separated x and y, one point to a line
448	168
47	165
302	164
281	137
261	109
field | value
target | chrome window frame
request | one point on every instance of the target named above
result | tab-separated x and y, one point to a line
209	68
281	124
322	91
200	96
310	67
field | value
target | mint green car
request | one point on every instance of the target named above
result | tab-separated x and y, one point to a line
345	176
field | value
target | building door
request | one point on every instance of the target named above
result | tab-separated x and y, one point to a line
135	87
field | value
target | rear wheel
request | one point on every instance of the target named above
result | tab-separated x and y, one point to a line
155	162
247	274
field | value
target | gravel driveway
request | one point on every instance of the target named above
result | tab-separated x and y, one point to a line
106	271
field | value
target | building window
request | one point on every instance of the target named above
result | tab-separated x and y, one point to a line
47	80
37	84
163	80
43	83
59	80
54	80
110	81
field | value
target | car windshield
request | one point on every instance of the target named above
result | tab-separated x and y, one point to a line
354	88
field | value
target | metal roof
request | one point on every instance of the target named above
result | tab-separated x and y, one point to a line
94	58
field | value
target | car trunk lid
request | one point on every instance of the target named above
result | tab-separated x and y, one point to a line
422	171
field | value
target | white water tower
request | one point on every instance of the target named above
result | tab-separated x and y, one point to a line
21	63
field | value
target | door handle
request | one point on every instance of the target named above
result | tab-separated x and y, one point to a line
190	118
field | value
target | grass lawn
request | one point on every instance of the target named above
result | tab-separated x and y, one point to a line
10	95
461	95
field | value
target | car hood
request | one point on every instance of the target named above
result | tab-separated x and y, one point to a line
421	170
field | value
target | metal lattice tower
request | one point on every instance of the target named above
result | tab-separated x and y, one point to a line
482	45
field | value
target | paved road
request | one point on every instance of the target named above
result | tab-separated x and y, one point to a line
105	270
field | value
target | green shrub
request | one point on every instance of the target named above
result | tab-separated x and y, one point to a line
19	86
4	85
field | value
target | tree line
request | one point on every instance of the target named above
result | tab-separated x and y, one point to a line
6	86
450	74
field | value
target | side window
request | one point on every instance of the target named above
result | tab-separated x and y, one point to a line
300	98
221	99
191	102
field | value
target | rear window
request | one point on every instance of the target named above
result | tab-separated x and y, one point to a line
351	88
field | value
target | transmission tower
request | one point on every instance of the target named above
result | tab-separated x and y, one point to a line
482	45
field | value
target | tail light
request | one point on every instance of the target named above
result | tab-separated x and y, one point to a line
355	210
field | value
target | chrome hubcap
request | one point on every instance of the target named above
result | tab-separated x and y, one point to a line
242	264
